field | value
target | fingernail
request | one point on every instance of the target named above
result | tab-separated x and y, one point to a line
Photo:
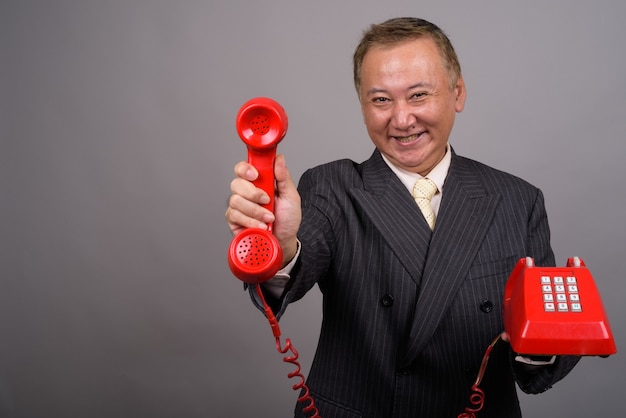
268	217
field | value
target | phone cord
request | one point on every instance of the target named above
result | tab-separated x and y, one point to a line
477	397
305	398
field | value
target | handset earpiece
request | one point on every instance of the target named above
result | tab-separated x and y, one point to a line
255	255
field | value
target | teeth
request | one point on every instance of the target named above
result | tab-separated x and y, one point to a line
407	138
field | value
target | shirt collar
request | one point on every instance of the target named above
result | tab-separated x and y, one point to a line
438	174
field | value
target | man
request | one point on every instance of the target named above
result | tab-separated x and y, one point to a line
411	300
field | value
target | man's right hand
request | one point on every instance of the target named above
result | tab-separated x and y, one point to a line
245	208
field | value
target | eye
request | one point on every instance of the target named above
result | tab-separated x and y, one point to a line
380	100
418	95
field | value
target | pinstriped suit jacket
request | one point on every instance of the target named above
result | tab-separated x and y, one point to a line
408	314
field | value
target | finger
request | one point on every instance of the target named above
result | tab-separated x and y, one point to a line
248	191
246	171
244	212
238	220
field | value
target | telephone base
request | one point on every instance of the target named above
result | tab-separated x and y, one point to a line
556	311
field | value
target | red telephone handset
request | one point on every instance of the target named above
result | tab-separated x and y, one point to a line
255	255
555	310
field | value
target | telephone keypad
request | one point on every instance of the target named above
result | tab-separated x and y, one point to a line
560	294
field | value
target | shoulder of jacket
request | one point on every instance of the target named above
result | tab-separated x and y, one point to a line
490	174
335	170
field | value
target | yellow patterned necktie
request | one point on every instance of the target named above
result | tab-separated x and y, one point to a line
423	191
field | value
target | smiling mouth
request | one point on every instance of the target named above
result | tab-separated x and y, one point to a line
407	139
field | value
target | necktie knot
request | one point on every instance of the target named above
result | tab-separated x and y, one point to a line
423	191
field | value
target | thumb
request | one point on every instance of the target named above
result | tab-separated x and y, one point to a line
284	183
287	210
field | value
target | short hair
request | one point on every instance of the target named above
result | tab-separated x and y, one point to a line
401	29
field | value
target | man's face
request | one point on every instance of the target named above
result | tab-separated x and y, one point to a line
407	104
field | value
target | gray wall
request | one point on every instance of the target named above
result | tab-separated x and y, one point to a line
118	141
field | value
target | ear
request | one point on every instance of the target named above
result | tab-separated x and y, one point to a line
460	92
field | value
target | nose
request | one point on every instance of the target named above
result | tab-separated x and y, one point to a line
402	117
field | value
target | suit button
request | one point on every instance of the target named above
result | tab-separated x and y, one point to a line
486	306
387	301
406	371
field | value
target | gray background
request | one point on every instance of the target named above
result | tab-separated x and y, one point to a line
118	141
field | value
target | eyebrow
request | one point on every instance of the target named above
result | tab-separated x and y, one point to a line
414	86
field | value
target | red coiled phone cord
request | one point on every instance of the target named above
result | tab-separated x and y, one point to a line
477	397
305	399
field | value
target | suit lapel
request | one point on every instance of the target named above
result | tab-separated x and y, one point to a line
389	205
465	214
437	261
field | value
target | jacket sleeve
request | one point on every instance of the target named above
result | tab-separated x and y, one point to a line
320	215
538	379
